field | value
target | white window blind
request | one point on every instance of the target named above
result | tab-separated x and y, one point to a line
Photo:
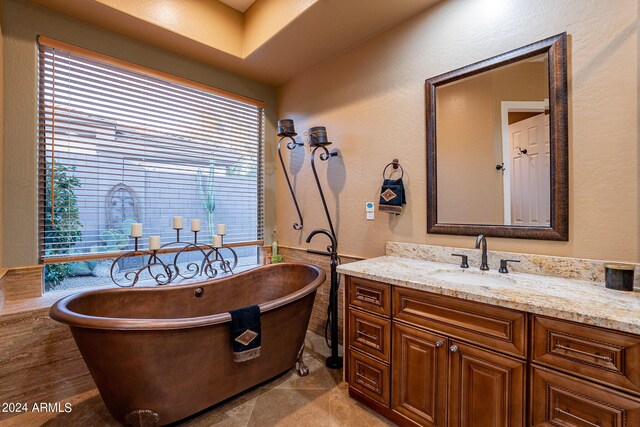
120	145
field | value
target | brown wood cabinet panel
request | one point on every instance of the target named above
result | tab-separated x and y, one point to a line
604	355
370	334
419	375
560	400
490	326
369	376
485	388
424	359
374	297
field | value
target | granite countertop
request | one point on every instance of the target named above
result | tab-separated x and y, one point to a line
577	300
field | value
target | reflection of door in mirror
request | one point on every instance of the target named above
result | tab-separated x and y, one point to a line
527	173
474	115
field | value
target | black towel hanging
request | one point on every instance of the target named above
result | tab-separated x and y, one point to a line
246	331
392	194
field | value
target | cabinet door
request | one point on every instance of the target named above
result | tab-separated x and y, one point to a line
419	375
485	388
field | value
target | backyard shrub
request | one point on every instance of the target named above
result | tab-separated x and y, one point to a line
61	220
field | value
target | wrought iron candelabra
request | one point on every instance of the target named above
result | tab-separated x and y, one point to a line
318	140
286	130
213	261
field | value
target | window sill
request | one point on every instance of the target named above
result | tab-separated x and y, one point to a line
46	300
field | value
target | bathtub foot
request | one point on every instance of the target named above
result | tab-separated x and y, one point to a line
301	368
142	418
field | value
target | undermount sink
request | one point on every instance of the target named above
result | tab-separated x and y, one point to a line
471	277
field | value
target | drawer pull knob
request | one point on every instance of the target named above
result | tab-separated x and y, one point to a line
439	344
371	337
606	359
569	414
453	349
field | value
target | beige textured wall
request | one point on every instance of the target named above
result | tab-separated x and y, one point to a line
22	24
469	134
205	21
469	187
265	18
208	23
371	98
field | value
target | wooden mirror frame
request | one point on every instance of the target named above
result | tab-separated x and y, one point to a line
556	48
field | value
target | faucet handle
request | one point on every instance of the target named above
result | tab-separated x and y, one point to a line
503	265
464	262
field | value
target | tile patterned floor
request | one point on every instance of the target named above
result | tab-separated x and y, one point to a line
319	399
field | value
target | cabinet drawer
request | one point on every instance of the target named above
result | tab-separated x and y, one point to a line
371	296
369	376
560	400
490	326
600	354
370	334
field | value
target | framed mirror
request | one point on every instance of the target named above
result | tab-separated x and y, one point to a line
497	145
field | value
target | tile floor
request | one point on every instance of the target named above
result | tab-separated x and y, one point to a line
319	399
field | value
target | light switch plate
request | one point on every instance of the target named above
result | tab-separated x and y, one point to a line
369	207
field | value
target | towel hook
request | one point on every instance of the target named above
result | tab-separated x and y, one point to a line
396	164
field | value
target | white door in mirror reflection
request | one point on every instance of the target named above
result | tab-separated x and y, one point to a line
530	171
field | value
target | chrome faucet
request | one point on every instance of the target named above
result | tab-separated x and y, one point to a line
481	240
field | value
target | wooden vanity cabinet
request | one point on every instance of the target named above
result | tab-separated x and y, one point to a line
422	359
437	379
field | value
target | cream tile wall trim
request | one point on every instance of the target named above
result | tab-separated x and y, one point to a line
23	283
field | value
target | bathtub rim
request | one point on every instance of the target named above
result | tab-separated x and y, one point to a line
61	313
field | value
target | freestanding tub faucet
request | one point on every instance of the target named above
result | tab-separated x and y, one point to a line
482	240
318	141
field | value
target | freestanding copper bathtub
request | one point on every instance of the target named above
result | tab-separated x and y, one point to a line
160	354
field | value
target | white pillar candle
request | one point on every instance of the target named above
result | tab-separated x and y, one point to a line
154	243
177	222
222	229
195	225
217	241
136	229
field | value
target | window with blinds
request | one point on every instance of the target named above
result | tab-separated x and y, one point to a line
120	144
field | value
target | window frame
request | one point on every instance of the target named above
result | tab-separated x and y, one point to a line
90	54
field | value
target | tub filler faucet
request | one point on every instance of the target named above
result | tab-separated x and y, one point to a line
318	140
334	361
